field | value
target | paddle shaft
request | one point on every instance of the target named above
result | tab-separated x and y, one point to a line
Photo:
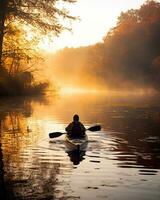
58	134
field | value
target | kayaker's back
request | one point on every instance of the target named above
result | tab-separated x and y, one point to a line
76	130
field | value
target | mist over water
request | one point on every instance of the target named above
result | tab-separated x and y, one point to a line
126	60
114	83
122	161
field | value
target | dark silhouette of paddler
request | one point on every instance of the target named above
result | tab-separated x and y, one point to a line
75	129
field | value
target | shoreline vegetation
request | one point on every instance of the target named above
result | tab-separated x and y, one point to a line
21	84
22	25
128	58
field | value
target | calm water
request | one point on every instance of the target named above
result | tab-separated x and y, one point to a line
122	161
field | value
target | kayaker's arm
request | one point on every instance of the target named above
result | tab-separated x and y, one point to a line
83	129
69	128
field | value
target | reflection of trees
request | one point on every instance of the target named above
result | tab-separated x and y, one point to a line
13	114
2	185
14	133
140	149
137	131
15	110
14	138
132	119
36	181
39	183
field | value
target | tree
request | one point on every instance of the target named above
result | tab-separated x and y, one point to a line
128	58
44	15
18	52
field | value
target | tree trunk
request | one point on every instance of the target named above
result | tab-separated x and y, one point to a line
3	9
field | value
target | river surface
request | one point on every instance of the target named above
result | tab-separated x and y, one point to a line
120	162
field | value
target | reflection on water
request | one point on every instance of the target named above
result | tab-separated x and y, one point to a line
76	155
123	158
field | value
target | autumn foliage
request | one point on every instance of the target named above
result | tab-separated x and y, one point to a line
129	56
22	24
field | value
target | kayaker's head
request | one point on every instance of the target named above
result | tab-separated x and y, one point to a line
75	118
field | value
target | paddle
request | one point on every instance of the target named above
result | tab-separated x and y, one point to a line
57	134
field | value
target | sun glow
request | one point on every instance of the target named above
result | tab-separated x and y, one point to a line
96	19
47	45
74	90
93	91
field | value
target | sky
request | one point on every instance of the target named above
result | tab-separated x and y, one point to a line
96	19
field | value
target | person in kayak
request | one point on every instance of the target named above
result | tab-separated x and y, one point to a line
75	129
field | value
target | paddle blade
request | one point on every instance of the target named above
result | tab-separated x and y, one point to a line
55	134
95	128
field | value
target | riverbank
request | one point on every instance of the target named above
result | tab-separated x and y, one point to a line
20	84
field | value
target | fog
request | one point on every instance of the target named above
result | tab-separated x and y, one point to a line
128	59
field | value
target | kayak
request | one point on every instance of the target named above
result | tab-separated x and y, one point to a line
79	144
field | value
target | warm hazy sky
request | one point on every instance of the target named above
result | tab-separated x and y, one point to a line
97	17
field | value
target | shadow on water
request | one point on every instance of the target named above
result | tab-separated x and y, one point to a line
76	156
137	150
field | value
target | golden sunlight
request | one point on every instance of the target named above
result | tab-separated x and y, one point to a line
105	92
47	45
80	109
91	27
74	90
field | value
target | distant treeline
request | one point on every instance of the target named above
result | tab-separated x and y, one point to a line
128	57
